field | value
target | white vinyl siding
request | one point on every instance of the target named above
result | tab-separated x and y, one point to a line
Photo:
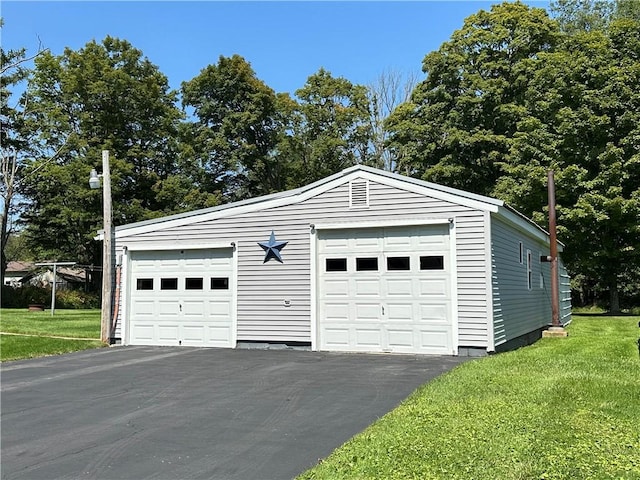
263	288
517	309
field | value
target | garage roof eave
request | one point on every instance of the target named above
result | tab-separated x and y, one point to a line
226	206
471	199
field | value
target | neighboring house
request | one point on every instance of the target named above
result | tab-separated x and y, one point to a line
66	277
16	271
361	261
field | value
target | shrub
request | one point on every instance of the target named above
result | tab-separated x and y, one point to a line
22	297
76	299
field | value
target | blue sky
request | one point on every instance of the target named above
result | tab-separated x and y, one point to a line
285	42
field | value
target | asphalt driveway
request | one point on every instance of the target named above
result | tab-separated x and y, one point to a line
183	413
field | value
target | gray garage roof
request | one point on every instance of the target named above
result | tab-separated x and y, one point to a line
306	188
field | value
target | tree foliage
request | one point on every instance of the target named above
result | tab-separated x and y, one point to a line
510	96
513	93
329	127
458	127
101	96
232	141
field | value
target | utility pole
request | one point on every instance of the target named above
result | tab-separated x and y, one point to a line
107	244
105	321
553	251
556	329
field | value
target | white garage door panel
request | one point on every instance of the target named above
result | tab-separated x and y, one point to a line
435	340
403	306
400	339
336	288
400	312
434	314
174	301
368	338
168	333
336	337
143	332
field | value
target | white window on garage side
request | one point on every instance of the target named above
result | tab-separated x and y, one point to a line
529	269
521	253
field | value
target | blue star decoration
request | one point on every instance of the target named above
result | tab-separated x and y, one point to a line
272	248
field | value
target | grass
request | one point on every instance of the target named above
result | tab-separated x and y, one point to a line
40	326
562	408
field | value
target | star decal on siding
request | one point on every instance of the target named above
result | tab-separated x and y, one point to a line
272	248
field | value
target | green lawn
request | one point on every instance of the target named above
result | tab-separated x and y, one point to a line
559	409
65	323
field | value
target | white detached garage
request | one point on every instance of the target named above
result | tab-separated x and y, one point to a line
362	261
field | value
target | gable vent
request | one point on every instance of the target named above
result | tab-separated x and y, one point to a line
359	193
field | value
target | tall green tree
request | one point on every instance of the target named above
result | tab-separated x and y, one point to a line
459	125
509	97
231	142
330	127
103	96
576	16
587	99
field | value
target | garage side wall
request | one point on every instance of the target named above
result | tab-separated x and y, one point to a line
274	299
521	283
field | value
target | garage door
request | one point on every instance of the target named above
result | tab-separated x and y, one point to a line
385	290
182	297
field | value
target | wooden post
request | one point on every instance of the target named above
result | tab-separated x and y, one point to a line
555	296
105	319
556	329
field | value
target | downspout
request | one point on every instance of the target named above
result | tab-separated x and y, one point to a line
116	307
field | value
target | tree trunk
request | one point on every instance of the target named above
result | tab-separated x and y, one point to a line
614	298
4	236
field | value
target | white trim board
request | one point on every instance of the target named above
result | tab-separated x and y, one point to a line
400	222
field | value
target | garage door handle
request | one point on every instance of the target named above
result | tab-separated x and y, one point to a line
383	309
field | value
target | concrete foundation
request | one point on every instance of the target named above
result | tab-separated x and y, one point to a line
555	332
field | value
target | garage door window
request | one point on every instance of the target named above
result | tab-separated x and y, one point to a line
434	262
398	263
144	284
219	283
369	264
168	284
336	265
193	284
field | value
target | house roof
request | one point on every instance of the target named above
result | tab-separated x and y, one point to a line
71	275
480	202
19	267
